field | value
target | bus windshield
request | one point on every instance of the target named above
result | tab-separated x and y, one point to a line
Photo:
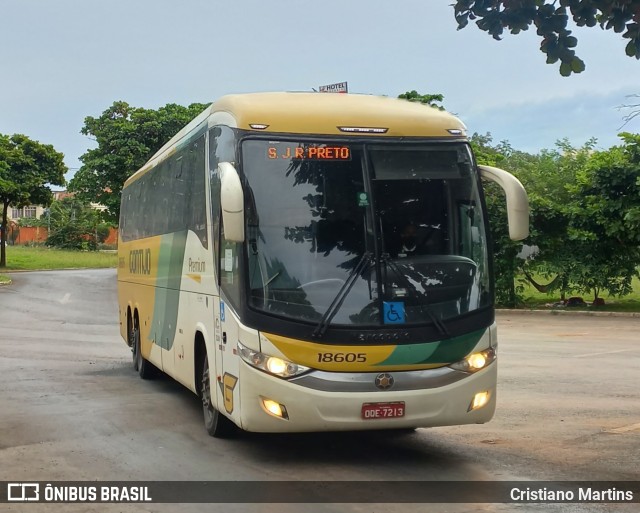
364	234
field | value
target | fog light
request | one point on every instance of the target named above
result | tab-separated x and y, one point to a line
274	408
479	400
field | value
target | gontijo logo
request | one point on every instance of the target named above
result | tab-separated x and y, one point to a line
140	261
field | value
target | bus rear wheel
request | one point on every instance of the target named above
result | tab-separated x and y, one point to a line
144	367
216	424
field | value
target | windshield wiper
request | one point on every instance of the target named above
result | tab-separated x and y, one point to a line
362	265
438	323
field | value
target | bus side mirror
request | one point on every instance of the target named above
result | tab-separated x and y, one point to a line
517	200
232	202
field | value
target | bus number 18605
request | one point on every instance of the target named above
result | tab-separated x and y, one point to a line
342	357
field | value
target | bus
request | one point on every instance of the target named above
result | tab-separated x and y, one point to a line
316	262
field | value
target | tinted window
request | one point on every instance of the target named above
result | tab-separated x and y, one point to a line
168	198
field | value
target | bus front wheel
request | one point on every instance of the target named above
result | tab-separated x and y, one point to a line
216	424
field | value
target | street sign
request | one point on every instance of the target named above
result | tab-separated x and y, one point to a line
340	87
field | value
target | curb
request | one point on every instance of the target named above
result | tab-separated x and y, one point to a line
579	313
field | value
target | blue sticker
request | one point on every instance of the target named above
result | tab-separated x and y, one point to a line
221	311
393	312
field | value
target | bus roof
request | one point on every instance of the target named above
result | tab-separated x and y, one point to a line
323	114
319	114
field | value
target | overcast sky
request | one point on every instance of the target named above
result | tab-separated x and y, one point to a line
63	60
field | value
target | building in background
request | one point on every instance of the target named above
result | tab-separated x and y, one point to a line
17	234
30	212
37	211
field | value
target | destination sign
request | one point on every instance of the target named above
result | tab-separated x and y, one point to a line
308	152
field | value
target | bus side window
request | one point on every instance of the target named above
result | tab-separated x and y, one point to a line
196	210
179	172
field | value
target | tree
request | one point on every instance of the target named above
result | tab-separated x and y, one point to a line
546	177
583	217
504	250
427	99
73	224
604	226
27	167
127	137
551	17
548	182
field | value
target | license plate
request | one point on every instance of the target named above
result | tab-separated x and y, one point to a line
372	411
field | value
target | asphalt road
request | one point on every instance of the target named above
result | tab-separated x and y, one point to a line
72	408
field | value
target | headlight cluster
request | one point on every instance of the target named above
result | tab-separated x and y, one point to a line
476	361
271	364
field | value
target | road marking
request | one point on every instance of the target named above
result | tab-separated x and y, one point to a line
624	429
599	354
65	299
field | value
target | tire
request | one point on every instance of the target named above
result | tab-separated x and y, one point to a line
216	424
132	344
145	368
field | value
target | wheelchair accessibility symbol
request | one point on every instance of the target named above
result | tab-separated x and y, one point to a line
393	312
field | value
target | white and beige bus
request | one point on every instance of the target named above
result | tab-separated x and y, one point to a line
314	262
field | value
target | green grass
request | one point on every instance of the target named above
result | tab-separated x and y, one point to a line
4	279
21	258
629	303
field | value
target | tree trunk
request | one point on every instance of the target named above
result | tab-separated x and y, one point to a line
3	235
513	298
563	291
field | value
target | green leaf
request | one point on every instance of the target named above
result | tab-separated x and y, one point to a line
577	65
631	49
551	19
571	42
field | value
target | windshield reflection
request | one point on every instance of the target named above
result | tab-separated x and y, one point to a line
311	220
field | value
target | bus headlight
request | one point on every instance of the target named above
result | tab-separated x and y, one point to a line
271	364
476	361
